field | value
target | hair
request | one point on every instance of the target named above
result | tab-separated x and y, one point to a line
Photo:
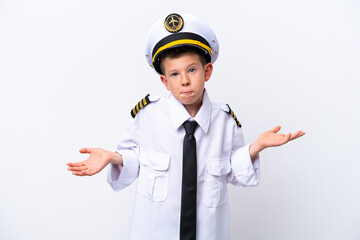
182	50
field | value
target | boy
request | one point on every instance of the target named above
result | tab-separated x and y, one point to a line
183	148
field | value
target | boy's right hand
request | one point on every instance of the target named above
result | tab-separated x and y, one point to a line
99	158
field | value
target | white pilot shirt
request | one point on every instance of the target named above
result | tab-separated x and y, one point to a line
152	151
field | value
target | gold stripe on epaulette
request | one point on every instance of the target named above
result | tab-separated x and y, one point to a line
142	103
133	112
233	115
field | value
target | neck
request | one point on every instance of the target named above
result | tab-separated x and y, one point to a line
193	110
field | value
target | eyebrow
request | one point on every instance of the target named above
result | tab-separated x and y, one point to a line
187	66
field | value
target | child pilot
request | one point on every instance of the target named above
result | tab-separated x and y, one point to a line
182	148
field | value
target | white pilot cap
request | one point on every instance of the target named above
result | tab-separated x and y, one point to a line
178	30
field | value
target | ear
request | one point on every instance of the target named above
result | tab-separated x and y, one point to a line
164	81
208	71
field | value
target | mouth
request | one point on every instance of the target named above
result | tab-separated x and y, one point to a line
186	93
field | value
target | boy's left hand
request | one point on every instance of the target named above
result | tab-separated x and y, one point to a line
272	138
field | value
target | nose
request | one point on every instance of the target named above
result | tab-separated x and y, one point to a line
185	81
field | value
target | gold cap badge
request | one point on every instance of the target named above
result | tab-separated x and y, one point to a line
174	23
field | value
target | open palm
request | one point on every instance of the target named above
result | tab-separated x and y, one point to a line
272	138
98	159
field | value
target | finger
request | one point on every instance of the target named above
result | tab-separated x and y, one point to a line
300	135
286	138
77	168
78	174
90	172
77	164
84	150
87	172
297	135
275	129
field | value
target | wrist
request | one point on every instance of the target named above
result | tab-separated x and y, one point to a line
116	158
255	148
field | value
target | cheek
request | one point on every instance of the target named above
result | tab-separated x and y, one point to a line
200	81
171	86
167	87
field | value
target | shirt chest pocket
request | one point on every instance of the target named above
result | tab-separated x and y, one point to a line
153	175
215	189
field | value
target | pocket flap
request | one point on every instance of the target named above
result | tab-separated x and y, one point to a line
218	166
155	160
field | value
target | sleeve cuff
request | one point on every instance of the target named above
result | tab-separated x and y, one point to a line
120	177
245	170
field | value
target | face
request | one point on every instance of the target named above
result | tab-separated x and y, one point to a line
185	78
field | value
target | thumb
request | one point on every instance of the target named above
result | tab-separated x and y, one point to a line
85	150
275	129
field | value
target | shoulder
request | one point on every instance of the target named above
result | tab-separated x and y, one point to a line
145	102
225	109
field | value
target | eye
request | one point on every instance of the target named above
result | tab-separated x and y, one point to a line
191	70
174	74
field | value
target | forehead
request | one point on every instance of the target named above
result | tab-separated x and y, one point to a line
184	59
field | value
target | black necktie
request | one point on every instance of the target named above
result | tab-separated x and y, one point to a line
189	183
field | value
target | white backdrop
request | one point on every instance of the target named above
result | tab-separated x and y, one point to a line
71	70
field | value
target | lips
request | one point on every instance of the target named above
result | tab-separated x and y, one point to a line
186	93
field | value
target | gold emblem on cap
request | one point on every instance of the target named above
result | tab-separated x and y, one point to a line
174	23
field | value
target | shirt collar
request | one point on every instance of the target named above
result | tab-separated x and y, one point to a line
179	114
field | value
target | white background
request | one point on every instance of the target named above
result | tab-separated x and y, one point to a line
71	70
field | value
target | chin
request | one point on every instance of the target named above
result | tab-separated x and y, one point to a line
190	100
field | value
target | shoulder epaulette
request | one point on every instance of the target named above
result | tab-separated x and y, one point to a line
142	103
233	115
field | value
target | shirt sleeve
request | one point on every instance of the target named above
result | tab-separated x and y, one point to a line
118	176
244	170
